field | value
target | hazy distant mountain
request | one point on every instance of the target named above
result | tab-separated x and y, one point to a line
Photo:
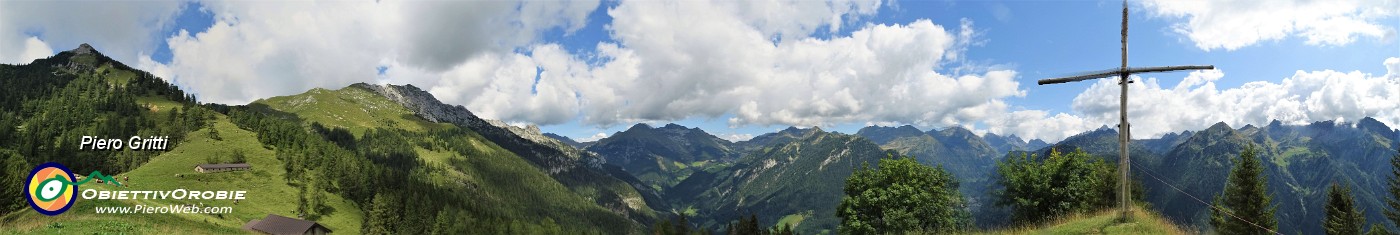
663	156
1004	144
765	140
884	135
1166	142
567	140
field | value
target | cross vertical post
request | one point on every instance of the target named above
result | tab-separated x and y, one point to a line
1123	72
1123	127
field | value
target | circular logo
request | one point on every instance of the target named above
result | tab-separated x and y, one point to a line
50	188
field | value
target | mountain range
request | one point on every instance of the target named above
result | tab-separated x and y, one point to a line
517	178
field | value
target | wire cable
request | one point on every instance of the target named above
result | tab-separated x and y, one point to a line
1154	176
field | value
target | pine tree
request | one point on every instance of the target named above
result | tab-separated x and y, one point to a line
1342	216
662	228
786	229
682	225
442	223
383	216
1394	201
746	226
1245	197
12	175
1377	229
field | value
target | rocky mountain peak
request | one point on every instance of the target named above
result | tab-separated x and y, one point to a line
955	131
638	127
673	126
83	49
1219	126
1037	142
421	102
1372	125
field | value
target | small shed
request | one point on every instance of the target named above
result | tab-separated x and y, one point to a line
279	225
209	168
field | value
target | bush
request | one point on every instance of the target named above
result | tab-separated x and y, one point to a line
902	196
1060	184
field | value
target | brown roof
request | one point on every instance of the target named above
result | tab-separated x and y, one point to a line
220	166
276	224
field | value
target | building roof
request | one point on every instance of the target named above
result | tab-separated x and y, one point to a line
220	166
276	224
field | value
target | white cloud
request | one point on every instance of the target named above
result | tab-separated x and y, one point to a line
262	49
1038	124
733	137
121	30
504	86
1196	102
669	66
1233	24
594	137
438	35
33	49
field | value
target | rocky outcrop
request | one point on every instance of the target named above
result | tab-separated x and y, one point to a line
529	143
83	49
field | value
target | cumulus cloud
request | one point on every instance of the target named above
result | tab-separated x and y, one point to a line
32	49
262	49
538	88
1196	103
668	66
665	66
122	30
1232	24
1039	124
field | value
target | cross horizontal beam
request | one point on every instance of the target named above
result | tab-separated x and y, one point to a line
1116	72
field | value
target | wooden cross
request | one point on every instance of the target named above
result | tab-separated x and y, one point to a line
1122	73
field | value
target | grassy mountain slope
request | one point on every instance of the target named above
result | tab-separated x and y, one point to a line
353	108
433	170
582	171
484	171
1104	222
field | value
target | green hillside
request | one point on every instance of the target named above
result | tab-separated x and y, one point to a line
268	192
350	159
457	170
1104	222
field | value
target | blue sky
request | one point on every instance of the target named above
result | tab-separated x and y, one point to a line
586	70
1044	39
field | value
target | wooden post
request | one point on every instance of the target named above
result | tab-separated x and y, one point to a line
1123	137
